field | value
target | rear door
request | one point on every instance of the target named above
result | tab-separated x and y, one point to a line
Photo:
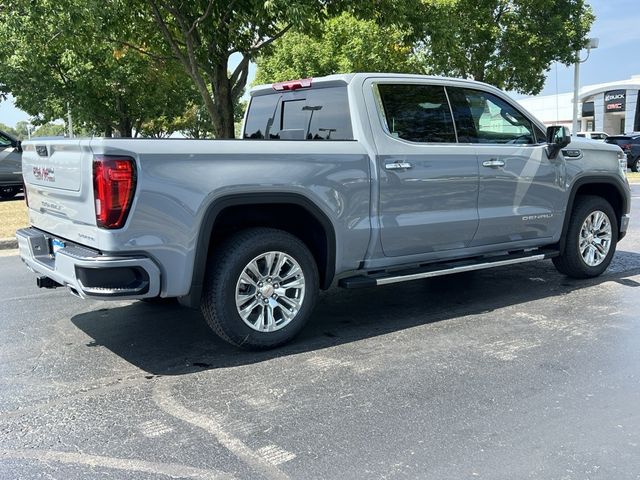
428	183
520	190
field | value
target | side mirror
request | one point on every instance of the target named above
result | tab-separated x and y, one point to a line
557	138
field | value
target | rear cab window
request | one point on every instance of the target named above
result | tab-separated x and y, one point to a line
305	114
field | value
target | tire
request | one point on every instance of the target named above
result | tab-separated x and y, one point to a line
635	166
8	192
239	272
581	238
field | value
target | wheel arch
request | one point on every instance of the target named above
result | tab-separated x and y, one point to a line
609	188
318	232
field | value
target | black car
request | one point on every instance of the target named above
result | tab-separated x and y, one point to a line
10	166
630	144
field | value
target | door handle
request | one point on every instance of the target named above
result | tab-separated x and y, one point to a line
398	166
494	162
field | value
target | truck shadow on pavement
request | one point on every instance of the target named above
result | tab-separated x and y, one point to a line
170	340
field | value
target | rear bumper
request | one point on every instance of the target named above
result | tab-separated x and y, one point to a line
86	272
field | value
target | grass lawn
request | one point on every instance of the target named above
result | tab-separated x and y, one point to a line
13	215
633	177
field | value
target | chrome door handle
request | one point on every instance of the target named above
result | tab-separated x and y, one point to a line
398	166
494	162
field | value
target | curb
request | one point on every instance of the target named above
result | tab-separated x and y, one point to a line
8	243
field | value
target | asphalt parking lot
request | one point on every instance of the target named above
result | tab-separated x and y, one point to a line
512	373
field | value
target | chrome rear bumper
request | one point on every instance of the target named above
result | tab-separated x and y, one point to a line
87	272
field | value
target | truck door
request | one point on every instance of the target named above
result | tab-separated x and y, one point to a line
521	190
428	186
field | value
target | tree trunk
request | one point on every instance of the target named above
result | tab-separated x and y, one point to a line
223	120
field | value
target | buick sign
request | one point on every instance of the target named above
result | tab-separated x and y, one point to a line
615	101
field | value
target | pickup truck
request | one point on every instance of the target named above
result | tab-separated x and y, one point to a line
348	180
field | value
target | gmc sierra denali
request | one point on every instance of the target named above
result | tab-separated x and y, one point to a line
349	180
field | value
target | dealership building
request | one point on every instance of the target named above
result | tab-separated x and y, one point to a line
608	107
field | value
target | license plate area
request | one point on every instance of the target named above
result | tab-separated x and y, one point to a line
56	245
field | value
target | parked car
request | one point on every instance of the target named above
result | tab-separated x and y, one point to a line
630	144
348	180
593	135
10	166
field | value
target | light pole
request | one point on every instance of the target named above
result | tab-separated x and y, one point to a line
591	44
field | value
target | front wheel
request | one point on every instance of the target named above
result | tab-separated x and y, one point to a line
260	288
591	238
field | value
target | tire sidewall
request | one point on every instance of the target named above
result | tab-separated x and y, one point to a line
235	327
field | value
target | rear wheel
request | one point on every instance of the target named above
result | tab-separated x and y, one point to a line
260	288
635	166
591	239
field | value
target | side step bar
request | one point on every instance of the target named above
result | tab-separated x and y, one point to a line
445	268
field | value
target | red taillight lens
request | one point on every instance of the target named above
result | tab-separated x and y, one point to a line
114	182
626	147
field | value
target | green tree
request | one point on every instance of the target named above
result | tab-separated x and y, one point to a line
49	130
204	34
10	130
62	53
507	43
342	44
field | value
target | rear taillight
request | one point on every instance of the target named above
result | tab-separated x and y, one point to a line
114	183
626	147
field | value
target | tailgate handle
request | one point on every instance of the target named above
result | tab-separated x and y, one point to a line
494	162
398	166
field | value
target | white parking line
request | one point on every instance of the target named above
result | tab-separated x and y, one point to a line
172	470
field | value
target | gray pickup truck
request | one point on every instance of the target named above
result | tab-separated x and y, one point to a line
348	180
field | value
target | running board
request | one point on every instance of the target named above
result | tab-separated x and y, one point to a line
445	268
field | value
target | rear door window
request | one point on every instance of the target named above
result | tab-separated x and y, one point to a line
316	114
417	113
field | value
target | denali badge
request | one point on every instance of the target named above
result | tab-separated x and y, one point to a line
45	174
537	217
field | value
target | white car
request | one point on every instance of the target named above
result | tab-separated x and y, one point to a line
593	135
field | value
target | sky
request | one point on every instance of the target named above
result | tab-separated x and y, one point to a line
617	26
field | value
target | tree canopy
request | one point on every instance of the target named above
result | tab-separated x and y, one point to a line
341	44
508	43
61	54
153	66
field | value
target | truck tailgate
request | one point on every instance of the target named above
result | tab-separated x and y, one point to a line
58	179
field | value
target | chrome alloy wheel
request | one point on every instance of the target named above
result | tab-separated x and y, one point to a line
595	238
270	291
